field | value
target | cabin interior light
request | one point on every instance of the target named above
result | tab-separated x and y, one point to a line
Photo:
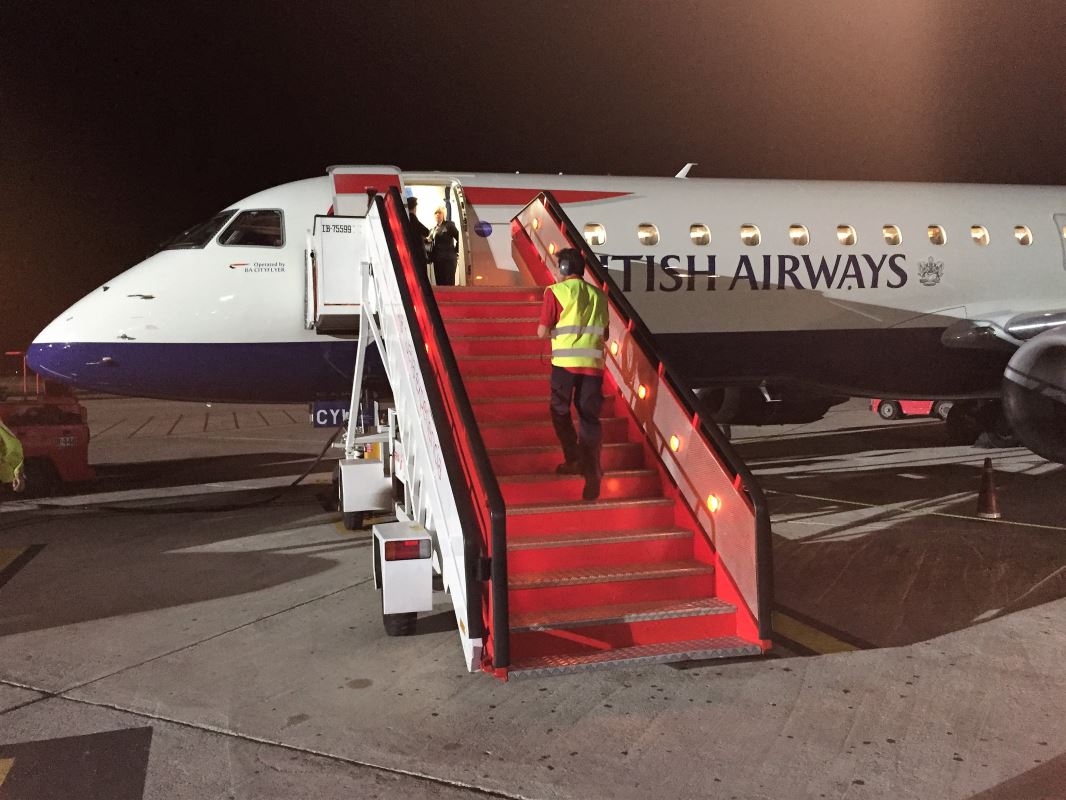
713	503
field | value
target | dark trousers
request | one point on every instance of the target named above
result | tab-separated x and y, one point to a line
585	393
444	270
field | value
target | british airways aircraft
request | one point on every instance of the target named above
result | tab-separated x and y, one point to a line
776	297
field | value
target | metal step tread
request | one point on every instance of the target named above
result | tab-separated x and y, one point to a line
506	357
582	538
648	611
514	376
529	423
489	319
536	449
545	477
638	655
536	398
587	505
449	291
576	576
493	303
494	338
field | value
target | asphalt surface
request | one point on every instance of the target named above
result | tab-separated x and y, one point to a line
196	648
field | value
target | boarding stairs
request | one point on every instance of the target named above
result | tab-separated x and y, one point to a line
671	563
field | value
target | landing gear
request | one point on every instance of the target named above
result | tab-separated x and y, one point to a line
979	422
941	409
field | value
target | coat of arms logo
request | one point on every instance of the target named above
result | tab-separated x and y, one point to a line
930	272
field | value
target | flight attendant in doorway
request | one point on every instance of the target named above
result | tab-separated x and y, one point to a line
444	248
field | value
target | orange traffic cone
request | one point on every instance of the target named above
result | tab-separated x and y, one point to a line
987	507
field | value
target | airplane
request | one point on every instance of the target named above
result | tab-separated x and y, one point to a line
774	298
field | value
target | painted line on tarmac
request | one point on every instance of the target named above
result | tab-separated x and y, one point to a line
920	511
164	492
812	637
13	559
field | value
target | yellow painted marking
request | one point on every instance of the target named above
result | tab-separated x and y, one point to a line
5	767
811	638
9	554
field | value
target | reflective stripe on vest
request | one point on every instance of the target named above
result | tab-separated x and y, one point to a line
577	338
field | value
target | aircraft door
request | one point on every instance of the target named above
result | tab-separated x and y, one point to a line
465	267
1060	223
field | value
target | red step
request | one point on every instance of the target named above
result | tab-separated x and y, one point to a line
534	519
524	460
470	294
524	326
535	408
581	587
500	346
505	365
599	638
530	433
522	385
548	487
488	309
635	656
598	548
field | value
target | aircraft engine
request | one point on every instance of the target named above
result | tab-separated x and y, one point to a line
1034	394
747	405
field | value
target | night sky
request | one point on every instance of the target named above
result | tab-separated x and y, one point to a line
121	125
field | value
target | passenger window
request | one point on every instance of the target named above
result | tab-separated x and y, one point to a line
699	234
979	233
846	235
893	235
1023	235
261	228
595	234
648	234
749	234
937	235
799	235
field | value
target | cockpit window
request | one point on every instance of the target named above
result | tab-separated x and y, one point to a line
259	228
199	235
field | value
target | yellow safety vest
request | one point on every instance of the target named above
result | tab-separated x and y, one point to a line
577	338
10	455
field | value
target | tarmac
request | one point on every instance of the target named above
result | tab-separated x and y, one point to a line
200	646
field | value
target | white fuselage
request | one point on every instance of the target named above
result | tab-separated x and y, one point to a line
226	322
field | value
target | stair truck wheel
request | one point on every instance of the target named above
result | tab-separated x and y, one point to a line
400	624
889	409
962	423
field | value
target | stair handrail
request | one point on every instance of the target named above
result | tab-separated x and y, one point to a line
489	516
763	539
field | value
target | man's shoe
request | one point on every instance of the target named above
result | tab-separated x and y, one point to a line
569	468
592	489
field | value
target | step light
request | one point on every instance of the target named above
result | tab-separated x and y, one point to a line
406	549
675	443
551	248
713	503
536	224
642	391
614	347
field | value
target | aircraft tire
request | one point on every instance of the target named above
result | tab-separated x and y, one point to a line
889	409
941	409
962	423
400	624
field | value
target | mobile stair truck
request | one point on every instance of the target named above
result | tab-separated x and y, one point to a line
671	563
